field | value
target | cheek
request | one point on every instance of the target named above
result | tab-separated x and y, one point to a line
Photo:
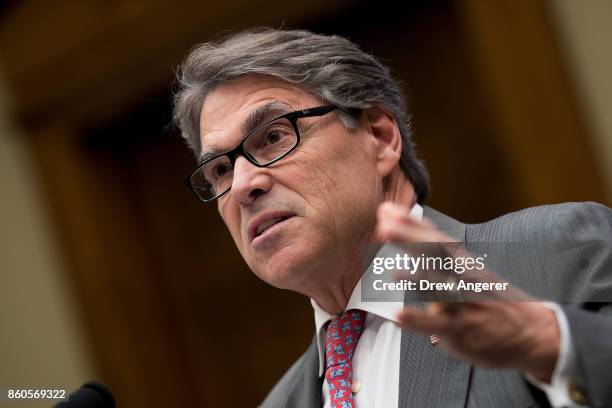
310	177
337	184
341	174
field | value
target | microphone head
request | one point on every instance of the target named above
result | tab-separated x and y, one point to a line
91	395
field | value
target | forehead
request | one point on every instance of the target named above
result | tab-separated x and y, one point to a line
227	106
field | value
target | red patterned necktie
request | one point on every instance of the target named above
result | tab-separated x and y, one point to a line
342	336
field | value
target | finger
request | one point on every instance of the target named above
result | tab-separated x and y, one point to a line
394	223
425	322
444	307
389	210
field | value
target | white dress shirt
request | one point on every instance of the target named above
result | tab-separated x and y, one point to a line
377	355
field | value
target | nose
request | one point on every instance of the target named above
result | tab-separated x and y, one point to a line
250	181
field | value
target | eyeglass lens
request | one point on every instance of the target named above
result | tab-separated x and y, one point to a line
263	146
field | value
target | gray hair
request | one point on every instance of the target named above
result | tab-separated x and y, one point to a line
330	67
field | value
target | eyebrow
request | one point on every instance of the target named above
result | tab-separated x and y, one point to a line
256	118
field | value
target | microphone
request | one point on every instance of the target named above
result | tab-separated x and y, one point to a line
91	395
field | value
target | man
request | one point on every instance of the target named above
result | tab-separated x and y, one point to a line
304	143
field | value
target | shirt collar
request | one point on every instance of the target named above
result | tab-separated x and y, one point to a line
386	310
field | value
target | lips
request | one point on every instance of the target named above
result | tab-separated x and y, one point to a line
263	221
267	224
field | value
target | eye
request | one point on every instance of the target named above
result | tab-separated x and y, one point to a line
221	170
273	137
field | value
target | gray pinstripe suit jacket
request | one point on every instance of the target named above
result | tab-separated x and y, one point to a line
429	377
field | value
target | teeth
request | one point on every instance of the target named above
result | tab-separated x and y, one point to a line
267	224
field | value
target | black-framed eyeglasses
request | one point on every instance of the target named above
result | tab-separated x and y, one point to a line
262	147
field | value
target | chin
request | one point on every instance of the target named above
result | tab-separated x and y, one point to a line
288	268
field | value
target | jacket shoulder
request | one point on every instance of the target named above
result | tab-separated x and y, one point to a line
576	221
283	394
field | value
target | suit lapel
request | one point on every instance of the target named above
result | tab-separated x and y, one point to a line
429	377
306	389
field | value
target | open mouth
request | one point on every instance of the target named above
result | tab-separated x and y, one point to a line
265	222
268	224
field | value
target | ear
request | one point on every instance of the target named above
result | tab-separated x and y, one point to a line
383	126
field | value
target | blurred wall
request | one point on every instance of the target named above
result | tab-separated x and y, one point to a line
41	343
584	31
